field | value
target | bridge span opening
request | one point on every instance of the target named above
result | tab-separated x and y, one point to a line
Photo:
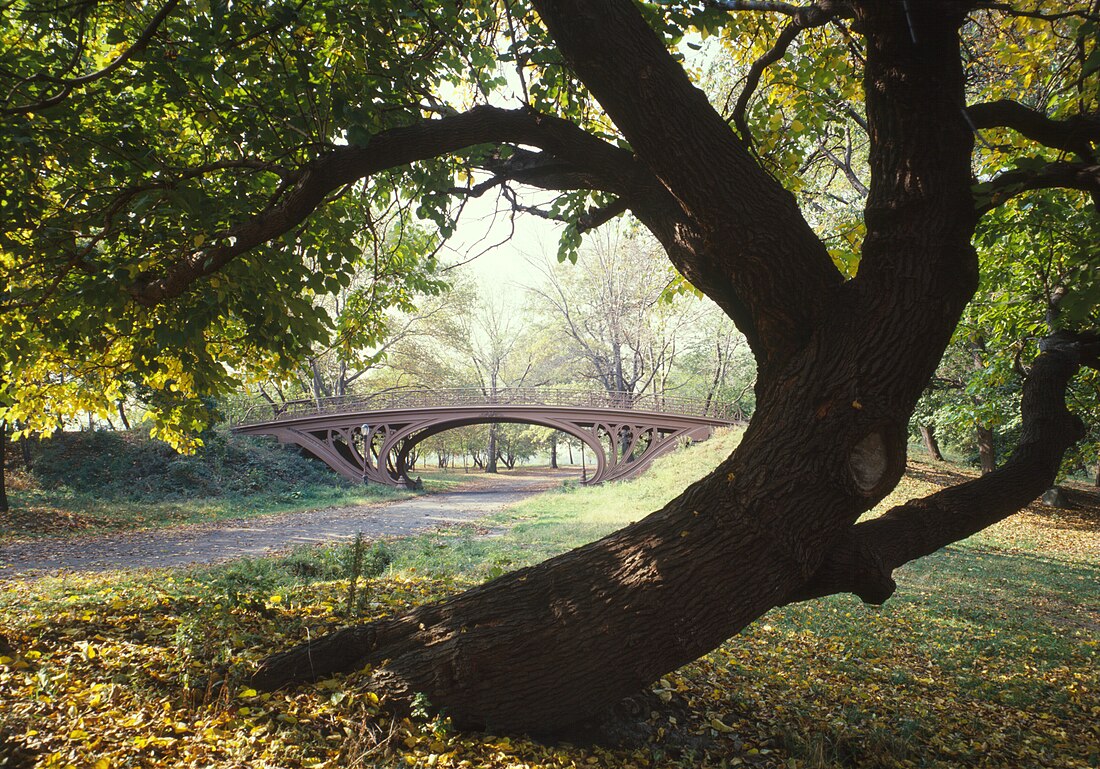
370	438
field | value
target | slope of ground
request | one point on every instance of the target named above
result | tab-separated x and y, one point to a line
91	482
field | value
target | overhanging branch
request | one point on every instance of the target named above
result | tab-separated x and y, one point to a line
606	166
1075	134
1076	176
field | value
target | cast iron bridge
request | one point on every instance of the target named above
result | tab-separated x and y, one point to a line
369	438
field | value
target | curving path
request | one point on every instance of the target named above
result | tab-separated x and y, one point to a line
254	537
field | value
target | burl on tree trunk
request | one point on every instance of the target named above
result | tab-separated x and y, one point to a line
841	365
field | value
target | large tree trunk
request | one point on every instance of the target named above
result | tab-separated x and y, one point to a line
3	467
551	644
841	366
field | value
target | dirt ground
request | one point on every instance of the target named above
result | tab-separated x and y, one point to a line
254	537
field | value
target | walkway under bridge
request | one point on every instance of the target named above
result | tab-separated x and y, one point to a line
369	438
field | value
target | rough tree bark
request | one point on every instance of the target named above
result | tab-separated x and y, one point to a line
841	366
3	467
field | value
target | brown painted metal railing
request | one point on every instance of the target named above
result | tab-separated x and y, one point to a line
261	410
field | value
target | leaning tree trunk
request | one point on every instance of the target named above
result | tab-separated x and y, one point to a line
842	364
987	450
931	445
548	645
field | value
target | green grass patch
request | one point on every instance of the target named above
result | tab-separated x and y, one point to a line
986	657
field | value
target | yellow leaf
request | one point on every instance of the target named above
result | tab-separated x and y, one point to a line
719	726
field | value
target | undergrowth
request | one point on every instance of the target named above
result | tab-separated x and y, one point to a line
103	481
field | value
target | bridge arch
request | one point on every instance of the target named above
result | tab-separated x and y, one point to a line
588	437
359	438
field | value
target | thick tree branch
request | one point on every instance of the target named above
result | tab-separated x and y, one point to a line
597	217
831	7
608	167
765	252
863	562
1075	134
920	147
1008	9
1075	176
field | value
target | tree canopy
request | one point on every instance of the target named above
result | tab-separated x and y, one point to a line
179	182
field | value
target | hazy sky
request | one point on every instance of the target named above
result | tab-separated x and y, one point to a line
503	268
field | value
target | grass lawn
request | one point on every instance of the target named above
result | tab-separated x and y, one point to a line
987	656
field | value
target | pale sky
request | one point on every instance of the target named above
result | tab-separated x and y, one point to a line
501	268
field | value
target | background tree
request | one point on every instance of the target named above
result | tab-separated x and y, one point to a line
611	309
151	233
1040	264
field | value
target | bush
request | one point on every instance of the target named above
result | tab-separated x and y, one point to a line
131	466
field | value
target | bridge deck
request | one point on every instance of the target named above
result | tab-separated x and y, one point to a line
369	438
263	411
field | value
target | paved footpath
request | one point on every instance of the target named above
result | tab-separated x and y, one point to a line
253	537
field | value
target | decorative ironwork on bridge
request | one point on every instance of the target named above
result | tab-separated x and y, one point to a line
369	438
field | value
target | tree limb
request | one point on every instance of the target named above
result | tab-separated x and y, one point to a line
1007	8
69	83
863	562
831	7
1075	176
344	165
1075	134
806	18
765	252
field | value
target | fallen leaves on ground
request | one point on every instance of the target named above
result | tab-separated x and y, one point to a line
986	657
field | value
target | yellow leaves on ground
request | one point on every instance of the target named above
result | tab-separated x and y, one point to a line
986	657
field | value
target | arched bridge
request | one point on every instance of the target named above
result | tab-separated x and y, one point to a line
369	438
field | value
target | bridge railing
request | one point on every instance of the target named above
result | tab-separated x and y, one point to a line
261	410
